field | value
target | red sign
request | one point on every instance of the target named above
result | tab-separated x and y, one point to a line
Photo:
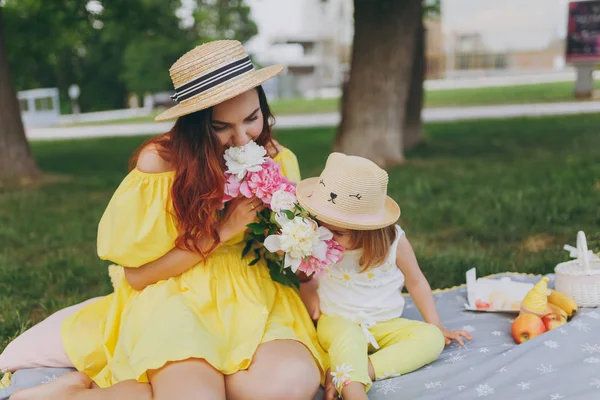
583	32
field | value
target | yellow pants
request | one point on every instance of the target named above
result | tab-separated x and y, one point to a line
404	346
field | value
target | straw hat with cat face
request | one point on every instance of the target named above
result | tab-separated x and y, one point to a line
351	193
211	74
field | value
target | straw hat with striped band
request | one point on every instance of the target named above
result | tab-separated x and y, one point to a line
211	74
351	193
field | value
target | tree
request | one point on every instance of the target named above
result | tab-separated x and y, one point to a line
413	129
382	102
16	161
114	47
148	58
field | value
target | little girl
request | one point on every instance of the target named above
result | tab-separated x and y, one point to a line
360	297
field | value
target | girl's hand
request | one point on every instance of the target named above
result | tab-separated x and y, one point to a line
455	335
239	213
330	390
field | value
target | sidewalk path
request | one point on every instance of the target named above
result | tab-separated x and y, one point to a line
331	119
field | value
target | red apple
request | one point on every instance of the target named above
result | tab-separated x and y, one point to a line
527	326
552	321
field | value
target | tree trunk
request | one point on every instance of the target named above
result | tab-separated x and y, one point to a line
16	161
374	102
413	129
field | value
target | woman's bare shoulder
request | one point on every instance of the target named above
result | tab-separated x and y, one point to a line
150	160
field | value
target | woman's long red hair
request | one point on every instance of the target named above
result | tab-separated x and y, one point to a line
196	156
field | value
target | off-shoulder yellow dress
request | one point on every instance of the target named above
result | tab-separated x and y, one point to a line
220	311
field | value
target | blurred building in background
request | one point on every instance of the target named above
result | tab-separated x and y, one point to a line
316	46
509	37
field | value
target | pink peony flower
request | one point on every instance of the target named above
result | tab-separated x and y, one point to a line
313	265
265	182
335	252
288	186
232	187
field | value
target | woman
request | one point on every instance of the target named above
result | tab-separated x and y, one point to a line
188	314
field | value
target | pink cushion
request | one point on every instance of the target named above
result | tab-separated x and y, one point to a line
41	345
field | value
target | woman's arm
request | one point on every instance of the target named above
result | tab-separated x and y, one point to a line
420	290
174	263
238	214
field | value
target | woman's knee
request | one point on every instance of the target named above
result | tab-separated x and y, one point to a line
297	380
282	369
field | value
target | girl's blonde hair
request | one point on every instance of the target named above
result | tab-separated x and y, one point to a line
375	245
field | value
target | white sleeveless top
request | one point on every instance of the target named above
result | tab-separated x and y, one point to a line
365	298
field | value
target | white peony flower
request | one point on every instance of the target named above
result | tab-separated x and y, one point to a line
299	238
244	159
283	200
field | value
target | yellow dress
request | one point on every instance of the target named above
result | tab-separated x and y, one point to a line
220	311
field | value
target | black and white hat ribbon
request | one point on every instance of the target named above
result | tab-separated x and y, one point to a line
212	79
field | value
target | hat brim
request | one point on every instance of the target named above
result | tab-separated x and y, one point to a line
221	93
306	188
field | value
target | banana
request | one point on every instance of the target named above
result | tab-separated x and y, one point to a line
563	301
536	300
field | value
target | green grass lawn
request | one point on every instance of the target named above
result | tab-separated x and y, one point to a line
540	93
496	195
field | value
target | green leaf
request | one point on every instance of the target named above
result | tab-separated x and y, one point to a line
247	248
254	262
272	219
257	229
293	278
289	214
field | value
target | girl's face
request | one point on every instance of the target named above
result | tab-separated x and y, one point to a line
340	235
239	120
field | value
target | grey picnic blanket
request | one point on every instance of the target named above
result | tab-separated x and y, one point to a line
561	364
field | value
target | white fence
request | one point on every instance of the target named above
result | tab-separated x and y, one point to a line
101	116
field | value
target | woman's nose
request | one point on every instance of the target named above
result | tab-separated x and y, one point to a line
241	137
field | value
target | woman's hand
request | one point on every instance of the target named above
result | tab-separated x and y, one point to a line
449	336
239	213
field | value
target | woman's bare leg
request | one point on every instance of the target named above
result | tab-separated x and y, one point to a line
191	379
281	369
78	386
184	380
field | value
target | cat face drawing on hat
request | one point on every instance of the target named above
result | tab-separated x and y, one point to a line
350	193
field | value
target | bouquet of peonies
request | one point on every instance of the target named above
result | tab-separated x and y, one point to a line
284	235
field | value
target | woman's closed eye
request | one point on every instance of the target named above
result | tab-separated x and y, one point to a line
219	128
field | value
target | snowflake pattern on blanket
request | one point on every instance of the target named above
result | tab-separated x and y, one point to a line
490	367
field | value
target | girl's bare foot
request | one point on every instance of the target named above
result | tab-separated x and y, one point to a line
60	389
